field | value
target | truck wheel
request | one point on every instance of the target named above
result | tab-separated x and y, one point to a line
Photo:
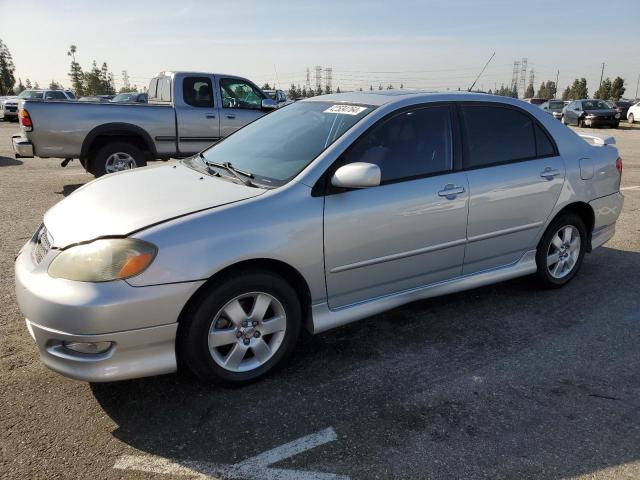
116	157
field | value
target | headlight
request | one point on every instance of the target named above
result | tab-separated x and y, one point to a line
103	260
591	115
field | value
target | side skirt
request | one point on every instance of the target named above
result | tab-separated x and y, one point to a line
324	318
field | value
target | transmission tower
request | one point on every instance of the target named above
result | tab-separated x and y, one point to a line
523	76
125	80
327	79
515	75
308	80
532	77
318	77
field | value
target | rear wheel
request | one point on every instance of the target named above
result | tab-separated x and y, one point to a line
561	251
116	157
243	328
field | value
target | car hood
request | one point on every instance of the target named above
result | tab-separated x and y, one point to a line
122	203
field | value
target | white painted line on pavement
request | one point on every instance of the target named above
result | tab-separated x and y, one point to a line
635	187
254	468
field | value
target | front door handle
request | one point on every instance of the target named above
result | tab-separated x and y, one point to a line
210	115
230	116
450	191
549	173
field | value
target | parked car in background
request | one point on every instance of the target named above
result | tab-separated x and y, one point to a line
96	98
622	107
633	114
186	113
535	101
46	95
328	211
553	107
9	108
279	96
590	113
130	97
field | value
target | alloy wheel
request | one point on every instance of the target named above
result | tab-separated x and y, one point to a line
563	251
119	161
247	331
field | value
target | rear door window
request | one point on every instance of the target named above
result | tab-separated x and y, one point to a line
198	92
496	135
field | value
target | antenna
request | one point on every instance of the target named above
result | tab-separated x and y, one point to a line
481	72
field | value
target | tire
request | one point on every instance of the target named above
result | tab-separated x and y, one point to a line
553	245
235	354
563	120
630	118
116	156
581	123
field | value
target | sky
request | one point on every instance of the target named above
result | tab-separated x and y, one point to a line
434	45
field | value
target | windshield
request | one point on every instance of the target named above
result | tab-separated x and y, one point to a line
125	97
31	95
595	105
556	105
278	146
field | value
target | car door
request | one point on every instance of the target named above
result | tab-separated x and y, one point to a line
410	230
241	104
576	112
197	115
515	176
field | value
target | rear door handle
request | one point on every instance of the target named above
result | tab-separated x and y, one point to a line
549	173
211	115
450	191
228	115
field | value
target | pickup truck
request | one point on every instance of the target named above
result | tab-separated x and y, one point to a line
186	113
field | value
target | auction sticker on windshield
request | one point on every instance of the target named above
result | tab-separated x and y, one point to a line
345	109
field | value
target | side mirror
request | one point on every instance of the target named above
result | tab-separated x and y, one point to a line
357	175
269	104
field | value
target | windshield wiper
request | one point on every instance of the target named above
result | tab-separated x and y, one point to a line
235	172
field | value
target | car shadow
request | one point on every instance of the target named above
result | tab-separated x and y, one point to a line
9	162
506	381
69	189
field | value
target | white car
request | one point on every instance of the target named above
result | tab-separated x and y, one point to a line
633	113
8	108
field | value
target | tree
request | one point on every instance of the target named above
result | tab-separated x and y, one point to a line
370	88
401	86
266	87
566	95
578	89
319	91
617	89
18	88
98	80
327	89
7	68
390	87
547	90
75	73
604	90
55	85
380	87
529	92
338	90
28	84
304	92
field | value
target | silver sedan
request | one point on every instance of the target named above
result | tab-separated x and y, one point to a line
324	212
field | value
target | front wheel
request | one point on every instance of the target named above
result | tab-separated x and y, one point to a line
630	118
561	251
242	328
116	157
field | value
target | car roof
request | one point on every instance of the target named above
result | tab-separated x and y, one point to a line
387	97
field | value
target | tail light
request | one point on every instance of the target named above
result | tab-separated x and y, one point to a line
25	120
619	165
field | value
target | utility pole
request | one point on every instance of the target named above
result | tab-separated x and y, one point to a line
557	76
601	74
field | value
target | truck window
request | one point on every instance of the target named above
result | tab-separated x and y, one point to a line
197	92
237	93
164	89
152	88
